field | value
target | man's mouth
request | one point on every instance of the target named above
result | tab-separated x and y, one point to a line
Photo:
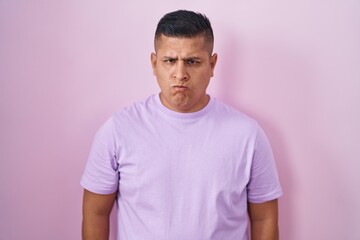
180	88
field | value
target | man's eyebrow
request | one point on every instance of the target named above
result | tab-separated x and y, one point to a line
192	58
168	57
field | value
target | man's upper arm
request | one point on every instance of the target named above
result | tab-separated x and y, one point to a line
96	213
264	220
266	210
98	204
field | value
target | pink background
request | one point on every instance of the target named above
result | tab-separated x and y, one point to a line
65	66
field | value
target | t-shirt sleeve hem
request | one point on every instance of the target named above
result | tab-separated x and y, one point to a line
266	198
93	189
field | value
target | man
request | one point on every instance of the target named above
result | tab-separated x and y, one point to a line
181	164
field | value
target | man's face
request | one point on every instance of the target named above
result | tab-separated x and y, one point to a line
183	68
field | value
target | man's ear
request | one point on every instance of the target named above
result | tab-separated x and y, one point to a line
153	59
213	60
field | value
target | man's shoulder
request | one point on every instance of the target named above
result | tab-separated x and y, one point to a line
231	113
135	108
134	113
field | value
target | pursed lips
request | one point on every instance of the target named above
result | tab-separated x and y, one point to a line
180	87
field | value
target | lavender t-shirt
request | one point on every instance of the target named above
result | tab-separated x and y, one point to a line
182	176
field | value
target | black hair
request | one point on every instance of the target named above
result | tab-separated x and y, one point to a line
185	24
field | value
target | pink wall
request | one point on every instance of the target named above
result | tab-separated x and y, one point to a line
65	66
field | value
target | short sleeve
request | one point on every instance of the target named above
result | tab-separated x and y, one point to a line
264	183
101	170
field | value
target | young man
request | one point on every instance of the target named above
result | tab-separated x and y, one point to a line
181	164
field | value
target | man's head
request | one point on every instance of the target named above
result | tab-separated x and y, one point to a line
185	24
183	62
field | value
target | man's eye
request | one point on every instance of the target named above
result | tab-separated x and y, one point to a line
169	60
192	62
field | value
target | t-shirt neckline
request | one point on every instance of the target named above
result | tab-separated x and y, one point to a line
180	115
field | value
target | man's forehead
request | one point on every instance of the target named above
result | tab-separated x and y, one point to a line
200	39
181	44
181	54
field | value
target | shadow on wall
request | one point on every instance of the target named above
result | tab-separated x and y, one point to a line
235	80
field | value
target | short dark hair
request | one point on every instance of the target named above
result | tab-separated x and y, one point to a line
185	24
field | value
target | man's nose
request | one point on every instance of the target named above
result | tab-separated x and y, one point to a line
180	71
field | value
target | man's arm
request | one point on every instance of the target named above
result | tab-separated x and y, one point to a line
96	213
264	220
